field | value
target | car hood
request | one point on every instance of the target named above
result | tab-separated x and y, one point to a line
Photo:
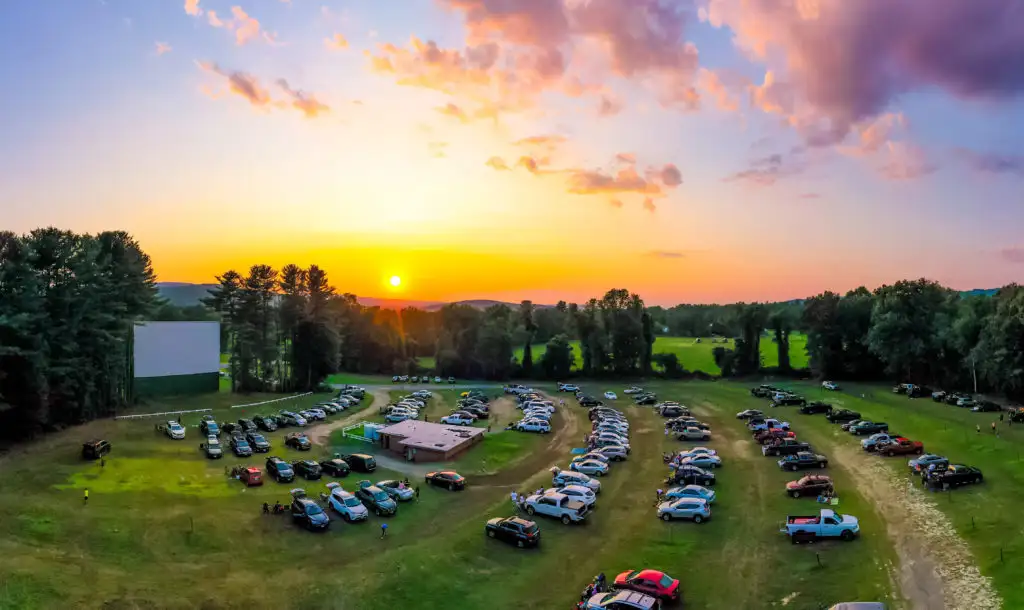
848	520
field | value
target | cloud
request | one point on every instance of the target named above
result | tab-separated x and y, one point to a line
767	170
242	84
302	101
835	63
497	163
244	26
214	20
670	175
649	205
336	42
628	158
713	83
1014	254
192	8
905	161
671	254
162	47
451	110
609	106
547	142
994	163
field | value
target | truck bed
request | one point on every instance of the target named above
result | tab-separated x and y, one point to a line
802	520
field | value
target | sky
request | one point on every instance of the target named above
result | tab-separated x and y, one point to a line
688	150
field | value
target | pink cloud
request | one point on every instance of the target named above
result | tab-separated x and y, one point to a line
304	102
192	8
336	42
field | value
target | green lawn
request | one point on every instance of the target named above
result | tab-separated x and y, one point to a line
697	356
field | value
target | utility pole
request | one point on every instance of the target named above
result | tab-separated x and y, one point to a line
974	374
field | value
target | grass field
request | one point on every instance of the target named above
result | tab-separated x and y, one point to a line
164	528
697	356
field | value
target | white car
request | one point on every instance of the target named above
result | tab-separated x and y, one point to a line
633	390
695	509
543	415
345	503
318	412
456	420
593	455
611	396
615	438
398	416
703	461
830	385
698	451
576	492
533	425
175	430
618	427
539	405
592	467
561	478
568	387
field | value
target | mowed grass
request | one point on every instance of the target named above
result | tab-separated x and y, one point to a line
164	528
696	356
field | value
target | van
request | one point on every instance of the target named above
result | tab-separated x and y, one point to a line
361	462
95	449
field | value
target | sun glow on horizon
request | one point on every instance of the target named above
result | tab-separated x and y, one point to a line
395	281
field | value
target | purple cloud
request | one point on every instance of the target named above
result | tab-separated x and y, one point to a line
1014	254
995	163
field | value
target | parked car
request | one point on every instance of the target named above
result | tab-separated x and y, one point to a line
568	387
703	461
247	425
252	476
376	499
788	400
308	513
174	430
649	582
902	446
966	402
842	415
986	406
749	414
397	490
577	492
954	475
265	422
360	462
590	467
830	386
556	505
292	419
562	478
921	464
345	504
868	427
633	390
693	434
446	478
826	524
804	459
622	600
532	425
918	391
809	485
208	427
816	406
298	440
690	491
513	530
770	436
691	475
335	467
258	442
673	411
279	470
611	396
95	449
307	469
762	391
784	446
457	420
768	423
645	399
694	509
240	446
212	447
614	452
878	440
845	426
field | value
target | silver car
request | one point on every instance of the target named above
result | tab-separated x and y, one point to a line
590	467
613	452
694	509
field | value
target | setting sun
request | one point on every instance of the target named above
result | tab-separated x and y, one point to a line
395	281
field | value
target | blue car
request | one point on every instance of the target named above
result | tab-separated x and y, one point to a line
690	491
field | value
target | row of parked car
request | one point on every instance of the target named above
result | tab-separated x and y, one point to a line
418	379
537	411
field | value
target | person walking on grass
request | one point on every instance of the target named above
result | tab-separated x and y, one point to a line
85	496
383	531
417	492
977	428
994	428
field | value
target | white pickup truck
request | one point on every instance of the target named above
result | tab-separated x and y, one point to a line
826	524
557	505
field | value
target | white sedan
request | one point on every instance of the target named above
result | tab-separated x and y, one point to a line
703	461
591	467
610	396
533	425
175	430
456	420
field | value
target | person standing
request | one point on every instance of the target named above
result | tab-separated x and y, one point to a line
417	492
993	427
383	531
85	496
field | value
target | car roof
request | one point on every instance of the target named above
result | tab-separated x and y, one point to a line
650	574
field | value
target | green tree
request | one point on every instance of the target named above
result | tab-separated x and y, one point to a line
907	324
526	311
558	359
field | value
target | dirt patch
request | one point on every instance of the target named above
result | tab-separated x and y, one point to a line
320	434
936	568
502	412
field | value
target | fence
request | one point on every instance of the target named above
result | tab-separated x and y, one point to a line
141	415
359	437
266	402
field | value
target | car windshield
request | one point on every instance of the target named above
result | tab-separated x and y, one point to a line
380	496
258	439
531	529
313	509
666	581
351	502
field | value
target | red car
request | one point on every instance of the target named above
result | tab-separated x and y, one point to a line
902	446
651	582
766	436
252	477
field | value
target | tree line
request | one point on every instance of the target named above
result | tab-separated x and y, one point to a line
68	303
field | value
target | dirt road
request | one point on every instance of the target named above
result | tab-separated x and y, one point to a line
320	434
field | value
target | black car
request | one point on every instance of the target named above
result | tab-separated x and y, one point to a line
230	428
804	459
280	470
690	475
589	401
816	407
479	412
95	449
336	467
986	406
298	440
763	391
939	396
749	414
446	478
265	422
246	425
918	391
308	513
673	411
841	415
514	530
360	462
954	476
307	469
258	443
376	499
240	446
646	399
208	427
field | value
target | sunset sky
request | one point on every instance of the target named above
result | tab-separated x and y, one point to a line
691	151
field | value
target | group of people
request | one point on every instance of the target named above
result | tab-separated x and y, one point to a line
277	509
598	585
519	498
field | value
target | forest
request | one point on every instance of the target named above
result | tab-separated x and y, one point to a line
68	302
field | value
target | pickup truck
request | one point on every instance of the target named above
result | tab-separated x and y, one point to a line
785	446
826	524
876	441
902	446
768	423
869	427
816	407
840	415
788	401
559	506
766	437
803	459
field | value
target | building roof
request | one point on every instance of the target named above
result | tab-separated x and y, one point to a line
428	435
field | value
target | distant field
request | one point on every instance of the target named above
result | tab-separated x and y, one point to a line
697	356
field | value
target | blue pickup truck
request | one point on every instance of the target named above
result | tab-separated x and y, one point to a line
826	524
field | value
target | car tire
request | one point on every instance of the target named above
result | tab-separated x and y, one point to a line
792	467
530	510
566	519
451	487
698	519
666	517
822	464
490	533
847	535
376	511
520	544
794	494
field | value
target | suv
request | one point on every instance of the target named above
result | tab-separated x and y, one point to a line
514	530
299	441
376	499
307	469
257	441
841	415
816	407
240	446
95	449
208	427
265	422
308	513
280	470
246	425
335	467
212	447
360	462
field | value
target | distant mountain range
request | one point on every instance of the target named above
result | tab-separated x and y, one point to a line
184	294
